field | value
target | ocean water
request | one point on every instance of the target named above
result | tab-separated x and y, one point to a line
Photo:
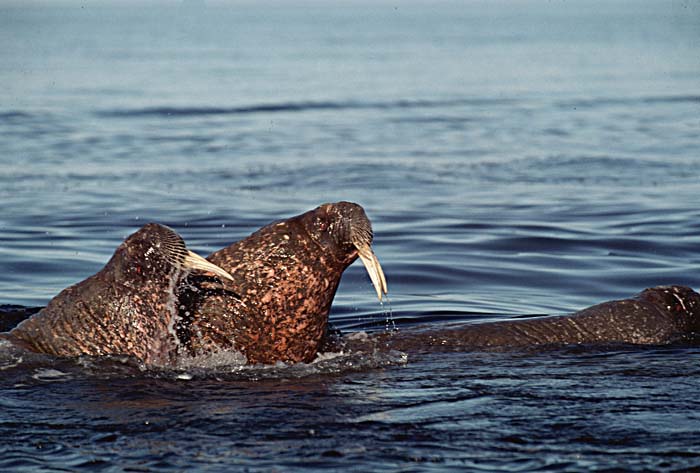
516	158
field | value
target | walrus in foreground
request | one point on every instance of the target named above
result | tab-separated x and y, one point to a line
285	276
656	316
127	308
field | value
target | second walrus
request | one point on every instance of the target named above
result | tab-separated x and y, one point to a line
285	276
657	316
127	308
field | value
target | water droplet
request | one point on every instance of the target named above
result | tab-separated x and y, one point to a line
389	323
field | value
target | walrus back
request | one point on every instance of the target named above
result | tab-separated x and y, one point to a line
99	317
656	316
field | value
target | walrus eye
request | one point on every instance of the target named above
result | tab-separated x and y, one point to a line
321	224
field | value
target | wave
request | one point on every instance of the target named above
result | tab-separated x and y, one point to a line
14	114
401	104
172	111
296	107
613	101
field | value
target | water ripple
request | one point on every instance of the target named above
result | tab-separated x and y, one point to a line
286	107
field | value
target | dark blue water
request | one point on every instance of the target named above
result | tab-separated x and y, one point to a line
516	158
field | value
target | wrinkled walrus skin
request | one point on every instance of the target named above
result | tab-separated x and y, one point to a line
656	316
286	275
127	308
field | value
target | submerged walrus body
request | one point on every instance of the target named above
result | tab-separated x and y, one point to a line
285	276
127	308
656	316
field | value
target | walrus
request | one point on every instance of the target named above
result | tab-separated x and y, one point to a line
285	276
127	308
657	316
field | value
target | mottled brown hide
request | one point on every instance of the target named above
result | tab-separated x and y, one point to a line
656	316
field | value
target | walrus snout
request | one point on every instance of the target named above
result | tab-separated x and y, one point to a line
681	302
348	225
161	247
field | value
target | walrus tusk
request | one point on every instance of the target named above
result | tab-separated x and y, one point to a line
194	261
369	259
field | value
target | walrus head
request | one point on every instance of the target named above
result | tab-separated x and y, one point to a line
127	308
344	231
680	302
156	250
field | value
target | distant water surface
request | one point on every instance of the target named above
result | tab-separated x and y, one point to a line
516	158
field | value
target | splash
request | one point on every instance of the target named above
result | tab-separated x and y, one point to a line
8	356
363	353
49	374
225	360
171	305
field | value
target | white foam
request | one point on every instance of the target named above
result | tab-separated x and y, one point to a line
48	374
358	336
10	356
229	359
227	363
10	363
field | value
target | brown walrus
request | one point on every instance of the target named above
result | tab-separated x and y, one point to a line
127	308
285	276
656	316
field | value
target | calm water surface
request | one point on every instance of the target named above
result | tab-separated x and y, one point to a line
516	158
